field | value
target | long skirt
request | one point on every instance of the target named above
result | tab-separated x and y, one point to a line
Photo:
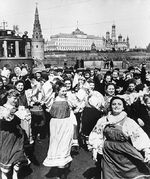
61	135
122	160
11	148
90	117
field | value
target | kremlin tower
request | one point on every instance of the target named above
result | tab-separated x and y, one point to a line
107	36
112	43
113	34
37	39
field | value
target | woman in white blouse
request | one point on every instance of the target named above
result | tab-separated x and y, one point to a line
124	146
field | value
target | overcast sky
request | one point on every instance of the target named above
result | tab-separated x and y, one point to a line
94	17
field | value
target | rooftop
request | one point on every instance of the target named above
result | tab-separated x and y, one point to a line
76	34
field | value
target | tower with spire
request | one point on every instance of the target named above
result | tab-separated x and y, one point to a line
37	38
128	44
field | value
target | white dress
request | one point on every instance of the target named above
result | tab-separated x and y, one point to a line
61	134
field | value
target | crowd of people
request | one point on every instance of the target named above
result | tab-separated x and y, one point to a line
105	113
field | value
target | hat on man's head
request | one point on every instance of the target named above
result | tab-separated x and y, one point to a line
59	70
131	68
36	70
96	68
80	70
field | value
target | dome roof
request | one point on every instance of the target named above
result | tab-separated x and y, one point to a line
120	36
78	32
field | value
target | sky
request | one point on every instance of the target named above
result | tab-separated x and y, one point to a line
93	17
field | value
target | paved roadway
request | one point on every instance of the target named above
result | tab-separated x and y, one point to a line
82	167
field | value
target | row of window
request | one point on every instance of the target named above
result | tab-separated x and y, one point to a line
11	49
64	48
74	40
77	44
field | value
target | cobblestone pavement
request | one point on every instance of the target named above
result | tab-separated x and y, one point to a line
82	166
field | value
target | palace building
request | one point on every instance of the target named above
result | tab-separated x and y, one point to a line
76	41
79	41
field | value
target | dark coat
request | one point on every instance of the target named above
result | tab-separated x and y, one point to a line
144	114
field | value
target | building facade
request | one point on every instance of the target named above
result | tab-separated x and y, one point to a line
37	39
76	41
79	41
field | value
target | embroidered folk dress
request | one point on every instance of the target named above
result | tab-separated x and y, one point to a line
121	144
61	134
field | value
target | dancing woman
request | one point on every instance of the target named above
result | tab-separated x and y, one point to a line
61	132
124	146
12	154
